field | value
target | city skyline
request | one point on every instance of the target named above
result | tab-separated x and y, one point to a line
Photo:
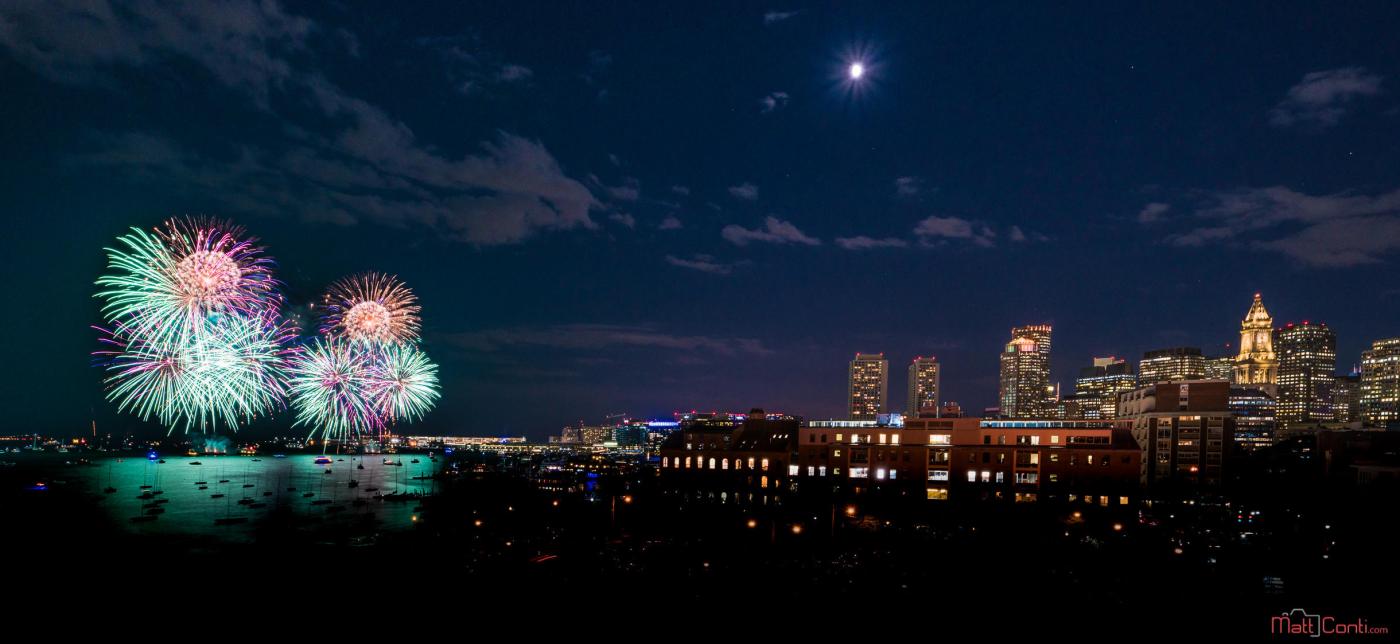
590	219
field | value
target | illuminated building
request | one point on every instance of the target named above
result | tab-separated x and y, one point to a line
695	419
869	386
1098	386
1255	414
595	434
1257	364
1346	398
950	409
1380	383
924	374
1183	429
1177	363
753	457
1025	374
1307	363
1221	368
978	460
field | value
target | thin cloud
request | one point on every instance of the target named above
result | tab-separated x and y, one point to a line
624	219
702	263
1323	98
772	102
671	222
937	230
371	168
592	337
774	17
908	186
774	230
868	243
1152	212
746	191
1330	231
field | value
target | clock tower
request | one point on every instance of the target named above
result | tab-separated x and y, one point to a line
1257	366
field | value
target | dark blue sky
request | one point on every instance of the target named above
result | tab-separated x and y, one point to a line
648	207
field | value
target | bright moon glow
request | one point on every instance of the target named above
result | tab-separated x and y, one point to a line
857	70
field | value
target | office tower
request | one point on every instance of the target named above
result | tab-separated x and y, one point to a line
1177	363
1221	368
1380	383
1025	374
1183	429
1257	364
1256	417
1307	363
1346	398
869	388
924	376
1098	386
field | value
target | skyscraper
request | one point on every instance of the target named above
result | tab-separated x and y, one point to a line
1025	374
869	388
1098	386
924	375
1257	365
1221	368
1307	362
1380	383
1176	363
1346	398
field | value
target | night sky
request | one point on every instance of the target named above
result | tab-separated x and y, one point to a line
639	208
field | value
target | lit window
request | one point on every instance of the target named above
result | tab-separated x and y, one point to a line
892	473
986	476
880	474
1001	477
1054	439
972	476
838	438
1122	500
687	462
940	439
938	475
794	470
882	439
712	462
860	472
724	464
665	461
765	465
894	439
763	482
821	470
750	462
811	470
938	494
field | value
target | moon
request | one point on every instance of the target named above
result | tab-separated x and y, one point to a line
856	71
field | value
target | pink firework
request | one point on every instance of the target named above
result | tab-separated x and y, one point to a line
371	308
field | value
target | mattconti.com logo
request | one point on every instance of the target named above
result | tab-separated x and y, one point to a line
1303	623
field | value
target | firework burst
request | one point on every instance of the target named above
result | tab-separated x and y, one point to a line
371	308
331	386
165	285
403	383
228	373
